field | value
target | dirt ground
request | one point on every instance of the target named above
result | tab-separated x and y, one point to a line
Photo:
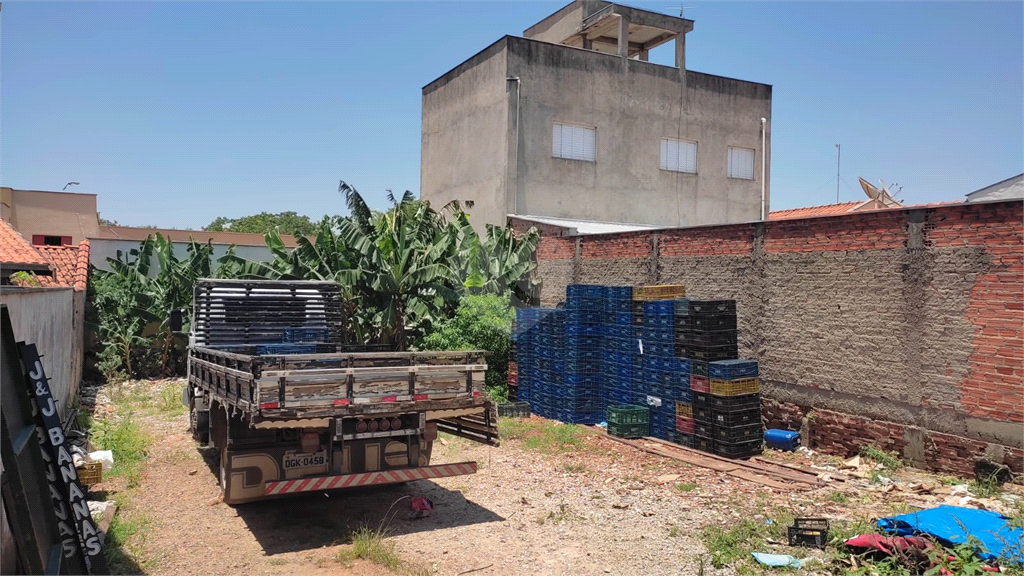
597	508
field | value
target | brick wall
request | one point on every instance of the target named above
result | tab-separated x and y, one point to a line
902	328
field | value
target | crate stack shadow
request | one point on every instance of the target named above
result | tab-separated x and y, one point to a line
647	361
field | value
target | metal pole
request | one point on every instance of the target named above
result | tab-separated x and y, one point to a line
839	152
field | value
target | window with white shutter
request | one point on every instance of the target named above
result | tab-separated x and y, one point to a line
741	163
678	155
573	142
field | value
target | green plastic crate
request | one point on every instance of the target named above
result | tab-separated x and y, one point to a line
628	414
514	410
635	430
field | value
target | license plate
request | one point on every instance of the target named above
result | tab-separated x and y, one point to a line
293	460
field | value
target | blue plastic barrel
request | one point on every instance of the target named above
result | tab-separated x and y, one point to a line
782	439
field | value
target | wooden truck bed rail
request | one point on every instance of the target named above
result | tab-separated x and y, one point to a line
317	385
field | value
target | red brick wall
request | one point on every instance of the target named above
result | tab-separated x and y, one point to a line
932	299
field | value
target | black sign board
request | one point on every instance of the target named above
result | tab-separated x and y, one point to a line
78	532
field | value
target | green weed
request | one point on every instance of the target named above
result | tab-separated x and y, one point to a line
574	468
732	545
122	435
839	498
987	487
369	544
120	549
169	403
890	460
543	436
686	487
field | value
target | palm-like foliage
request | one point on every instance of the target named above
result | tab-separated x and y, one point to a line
403	271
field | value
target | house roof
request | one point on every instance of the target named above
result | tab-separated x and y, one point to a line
808	211
1008	189
17	254
236	238
70	265
583	227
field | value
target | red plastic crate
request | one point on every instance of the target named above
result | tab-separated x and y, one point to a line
700	384
684	425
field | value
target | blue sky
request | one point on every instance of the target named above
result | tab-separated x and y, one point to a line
176	113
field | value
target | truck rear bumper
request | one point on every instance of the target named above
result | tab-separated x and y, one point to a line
368	478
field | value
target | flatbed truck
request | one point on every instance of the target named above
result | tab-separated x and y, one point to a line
288	418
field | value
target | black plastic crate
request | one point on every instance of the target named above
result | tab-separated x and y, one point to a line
703	443
705	429
710	353
740	418
808	532
739	434
703	415
738	450
743	403
679	438
697	367
697	307
702	400
690	337
717	322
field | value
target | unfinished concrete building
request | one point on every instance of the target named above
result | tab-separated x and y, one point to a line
572	121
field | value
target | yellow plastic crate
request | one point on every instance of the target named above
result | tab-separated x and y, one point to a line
684	410
91	473
662	292
735	387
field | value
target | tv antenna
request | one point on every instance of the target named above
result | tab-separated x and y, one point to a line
680	9
69	184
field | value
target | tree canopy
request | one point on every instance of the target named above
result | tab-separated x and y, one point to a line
264	222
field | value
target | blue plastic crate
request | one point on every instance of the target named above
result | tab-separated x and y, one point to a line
733	369
622	293
577	329
573	291
574	316
306	334
659	307
285	349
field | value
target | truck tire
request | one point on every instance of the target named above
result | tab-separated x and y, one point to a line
198	422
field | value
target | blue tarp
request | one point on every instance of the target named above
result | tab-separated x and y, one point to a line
953	524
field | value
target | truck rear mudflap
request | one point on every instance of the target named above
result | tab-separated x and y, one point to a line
318	483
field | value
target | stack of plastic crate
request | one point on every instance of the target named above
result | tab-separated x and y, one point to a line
735	400
705	330
628	421
580	399
666	378
523	336
618	345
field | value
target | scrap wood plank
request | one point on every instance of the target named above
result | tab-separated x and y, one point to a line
757	467
834	474
736	468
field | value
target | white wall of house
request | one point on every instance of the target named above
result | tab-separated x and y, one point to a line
102	248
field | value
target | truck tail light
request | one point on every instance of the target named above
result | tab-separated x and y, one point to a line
476	393
361	426
341	402
268	405
396	424
385	424
373	425
420	397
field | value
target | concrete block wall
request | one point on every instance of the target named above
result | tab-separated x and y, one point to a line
900	328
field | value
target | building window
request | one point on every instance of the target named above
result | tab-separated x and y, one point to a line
43	240
678	155
741	163
574	142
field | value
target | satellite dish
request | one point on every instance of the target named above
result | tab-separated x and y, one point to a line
880	195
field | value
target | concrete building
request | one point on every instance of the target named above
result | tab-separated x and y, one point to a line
50	218
572	121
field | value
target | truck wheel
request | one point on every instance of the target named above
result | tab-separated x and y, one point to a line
198	423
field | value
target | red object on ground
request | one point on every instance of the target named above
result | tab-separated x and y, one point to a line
890	544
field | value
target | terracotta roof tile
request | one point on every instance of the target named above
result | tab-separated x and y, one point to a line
15	250
70	265
824	210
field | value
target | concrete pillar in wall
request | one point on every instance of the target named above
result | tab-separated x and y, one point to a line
681	51
643	55
588	44
623	36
